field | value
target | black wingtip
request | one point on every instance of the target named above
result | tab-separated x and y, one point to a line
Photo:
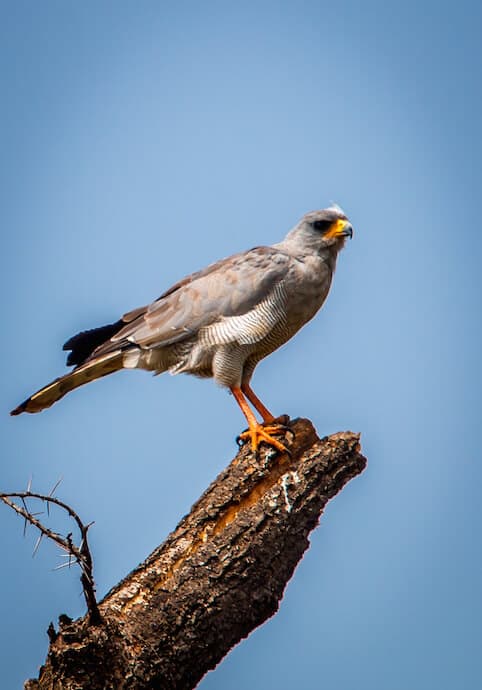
84	343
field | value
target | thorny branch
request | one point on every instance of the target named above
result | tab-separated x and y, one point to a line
80	554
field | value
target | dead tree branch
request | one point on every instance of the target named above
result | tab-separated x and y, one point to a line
219	575
79	554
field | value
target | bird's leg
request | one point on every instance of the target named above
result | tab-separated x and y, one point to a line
268	418
281	423
256	433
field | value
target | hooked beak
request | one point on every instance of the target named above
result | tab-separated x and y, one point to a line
340	228
347	230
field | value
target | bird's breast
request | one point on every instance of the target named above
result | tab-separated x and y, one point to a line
307	287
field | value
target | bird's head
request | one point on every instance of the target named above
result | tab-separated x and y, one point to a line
320	230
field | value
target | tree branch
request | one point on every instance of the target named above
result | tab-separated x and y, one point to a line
219	575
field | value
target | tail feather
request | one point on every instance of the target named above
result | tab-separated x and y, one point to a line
48	395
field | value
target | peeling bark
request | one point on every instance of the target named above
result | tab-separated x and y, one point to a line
219	575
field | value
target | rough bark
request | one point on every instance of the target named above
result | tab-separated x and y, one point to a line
219	575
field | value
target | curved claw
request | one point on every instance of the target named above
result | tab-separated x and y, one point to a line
239	441
288	452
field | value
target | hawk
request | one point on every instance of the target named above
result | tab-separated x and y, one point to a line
218	322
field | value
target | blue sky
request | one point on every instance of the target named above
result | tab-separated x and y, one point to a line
141	141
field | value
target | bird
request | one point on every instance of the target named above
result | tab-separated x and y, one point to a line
219	322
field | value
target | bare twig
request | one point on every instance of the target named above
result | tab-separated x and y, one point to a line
81	554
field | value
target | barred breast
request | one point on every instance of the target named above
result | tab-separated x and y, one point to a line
230	348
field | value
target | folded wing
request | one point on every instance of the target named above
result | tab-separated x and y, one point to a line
237	298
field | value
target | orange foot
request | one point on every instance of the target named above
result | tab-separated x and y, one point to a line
258	433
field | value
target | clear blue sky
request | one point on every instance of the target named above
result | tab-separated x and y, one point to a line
140	141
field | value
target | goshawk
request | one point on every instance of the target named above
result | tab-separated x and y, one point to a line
218	322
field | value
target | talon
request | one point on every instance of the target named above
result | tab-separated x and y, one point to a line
258	433
239	442
282	428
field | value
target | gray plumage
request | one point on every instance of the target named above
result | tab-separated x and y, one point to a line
219	322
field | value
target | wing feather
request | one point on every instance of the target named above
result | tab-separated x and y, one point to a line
235	294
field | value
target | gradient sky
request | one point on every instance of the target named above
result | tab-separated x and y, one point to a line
141	141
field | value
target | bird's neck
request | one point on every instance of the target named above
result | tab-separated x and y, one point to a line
329	256
306	249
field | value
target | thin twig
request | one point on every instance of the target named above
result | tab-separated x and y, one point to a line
81	553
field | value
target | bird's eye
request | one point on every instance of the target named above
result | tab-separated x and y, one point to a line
322	225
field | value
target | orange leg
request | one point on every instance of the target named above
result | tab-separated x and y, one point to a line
256	432
268	418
